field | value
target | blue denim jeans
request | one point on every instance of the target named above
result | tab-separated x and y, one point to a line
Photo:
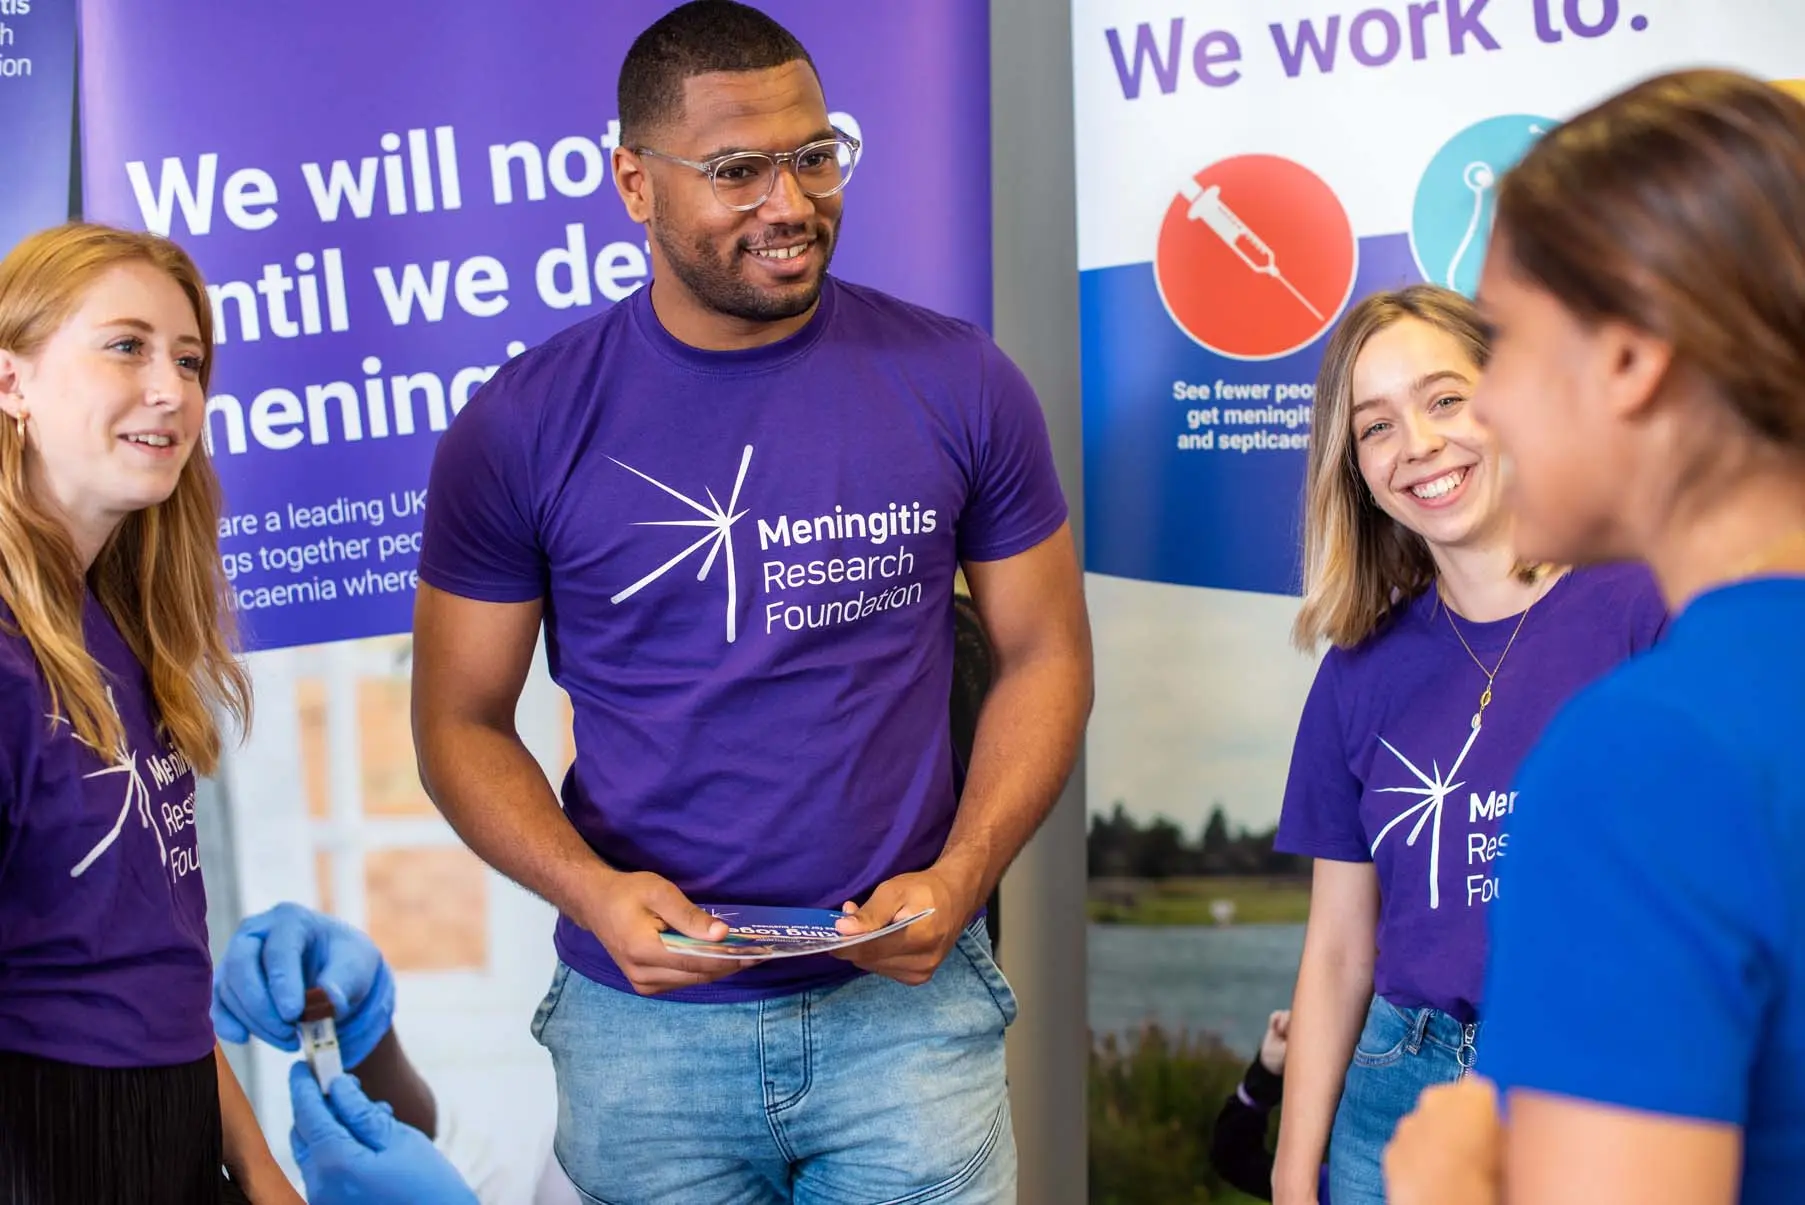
1401	1051
866	1092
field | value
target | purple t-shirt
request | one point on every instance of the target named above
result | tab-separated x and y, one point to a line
747	564
1388	768
103	915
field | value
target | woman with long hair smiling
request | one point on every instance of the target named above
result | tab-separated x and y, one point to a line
114	663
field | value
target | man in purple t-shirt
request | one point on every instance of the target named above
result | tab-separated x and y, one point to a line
737	502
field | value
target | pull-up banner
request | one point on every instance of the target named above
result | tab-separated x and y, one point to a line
1249	168
389	200
37	115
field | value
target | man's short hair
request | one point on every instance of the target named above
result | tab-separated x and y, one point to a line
698	38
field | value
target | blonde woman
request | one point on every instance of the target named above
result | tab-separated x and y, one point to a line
1448	657
113	664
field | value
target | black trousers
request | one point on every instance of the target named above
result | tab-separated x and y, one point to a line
75	1135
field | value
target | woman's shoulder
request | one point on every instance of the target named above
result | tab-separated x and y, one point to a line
19	673
1623	596
23	722
1627	580
1400	630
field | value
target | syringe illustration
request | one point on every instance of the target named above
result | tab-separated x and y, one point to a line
1208	207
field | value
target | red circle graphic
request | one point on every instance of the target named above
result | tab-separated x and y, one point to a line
1256	257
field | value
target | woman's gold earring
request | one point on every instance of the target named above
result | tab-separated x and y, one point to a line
19	423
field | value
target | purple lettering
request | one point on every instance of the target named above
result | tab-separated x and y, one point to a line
1215	48
1545	30
1356	37
1147	50
1291	56
1606	22
1468	24
1419	17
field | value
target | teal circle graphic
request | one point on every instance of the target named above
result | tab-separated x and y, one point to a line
1451	220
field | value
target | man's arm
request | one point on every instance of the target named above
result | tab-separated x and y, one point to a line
1027	741
1033	718
470	661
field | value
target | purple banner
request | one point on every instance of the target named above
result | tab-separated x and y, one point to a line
37	115
389	200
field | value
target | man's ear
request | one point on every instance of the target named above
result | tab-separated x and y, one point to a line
634	184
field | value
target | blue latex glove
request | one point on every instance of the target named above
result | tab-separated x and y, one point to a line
260	985
352	1151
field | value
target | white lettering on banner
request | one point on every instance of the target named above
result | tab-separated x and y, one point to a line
407	188
320	292
1269	428
361	558
262	598
392	406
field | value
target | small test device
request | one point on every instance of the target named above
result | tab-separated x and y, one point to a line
319	1038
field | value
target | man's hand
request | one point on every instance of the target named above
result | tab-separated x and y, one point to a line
260	985
350	1149
913	954
627	914
1450	1150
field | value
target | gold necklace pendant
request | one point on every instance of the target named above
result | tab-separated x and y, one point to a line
1485	700
1491	675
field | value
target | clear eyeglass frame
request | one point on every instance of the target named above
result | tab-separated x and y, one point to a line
735	192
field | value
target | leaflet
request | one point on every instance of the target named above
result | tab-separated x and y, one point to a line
755	932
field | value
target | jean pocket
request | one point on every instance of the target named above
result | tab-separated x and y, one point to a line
974	944
547	1006
1384	1036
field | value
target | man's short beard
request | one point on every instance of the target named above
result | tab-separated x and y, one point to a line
719	287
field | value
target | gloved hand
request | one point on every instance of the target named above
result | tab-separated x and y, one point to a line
352	1151
260	984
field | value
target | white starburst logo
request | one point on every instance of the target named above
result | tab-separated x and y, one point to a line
125	761
1434	791
718	520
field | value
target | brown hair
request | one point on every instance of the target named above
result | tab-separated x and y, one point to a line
1359	562
159	575
1677	207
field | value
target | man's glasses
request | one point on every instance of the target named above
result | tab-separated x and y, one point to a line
744	179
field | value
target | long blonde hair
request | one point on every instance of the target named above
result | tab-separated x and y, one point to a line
159	575
1359	562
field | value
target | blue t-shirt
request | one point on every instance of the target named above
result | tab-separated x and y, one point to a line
747	561
1388	768
1647	943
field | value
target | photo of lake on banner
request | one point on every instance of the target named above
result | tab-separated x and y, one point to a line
1215	980
1196	925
